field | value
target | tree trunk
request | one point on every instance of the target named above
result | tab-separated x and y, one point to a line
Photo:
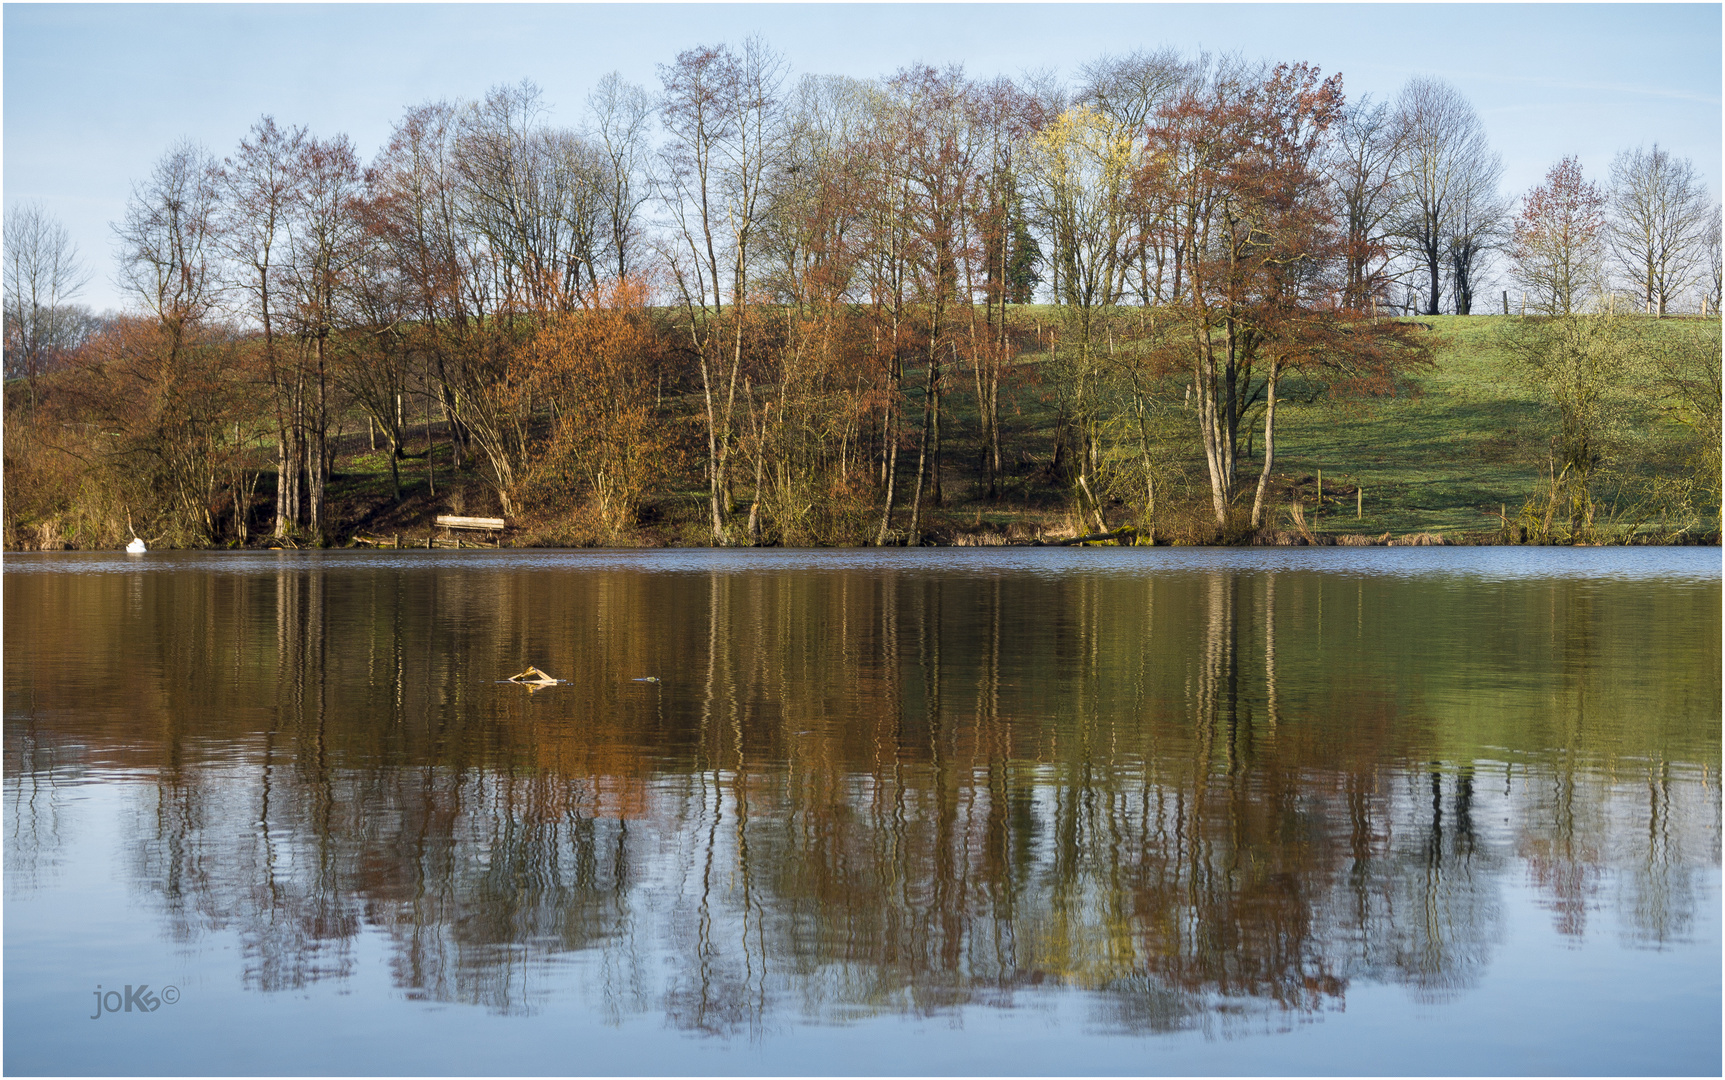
715	465
1208	428
984	435
1095	506
284	480
891	473
430	457
318	472
1269	445
893	411
1144	456
914	537
935	493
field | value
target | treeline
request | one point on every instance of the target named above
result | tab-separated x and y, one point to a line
784	292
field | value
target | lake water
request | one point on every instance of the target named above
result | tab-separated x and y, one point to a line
1391	810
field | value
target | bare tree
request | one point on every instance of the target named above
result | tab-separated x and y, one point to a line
1124	91
1713	276
530	228
1558	242
1444	153
1242	156
373	369
1365	150
621	114
42	276
1080	167
328	240
168	240
1578	362
415	209
933	150
534	194
729	132
1127	90
258	190
1657	224
1477	225
810	236
169	262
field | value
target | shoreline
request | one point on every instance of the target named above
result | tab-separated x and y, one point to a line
1320	540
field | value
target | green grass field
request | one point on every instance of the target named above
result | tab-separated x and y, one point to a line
1471	438
1474	437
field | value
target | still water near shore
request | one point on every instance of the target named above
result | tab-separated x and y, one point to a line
1023	811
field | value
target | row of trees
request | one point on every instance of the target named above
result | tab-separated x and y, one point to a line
791	282
1650	239
1417	179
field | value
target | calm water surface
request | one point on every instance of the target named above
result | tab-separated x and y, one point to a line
1025	811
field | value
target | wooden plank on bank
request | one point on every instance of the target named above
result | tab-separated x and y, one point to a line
452	521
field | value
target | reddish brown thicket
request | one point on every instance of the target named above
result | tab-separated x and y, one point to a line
592	367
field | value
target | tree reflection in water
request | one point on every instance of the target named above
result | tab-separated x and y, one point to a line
860	792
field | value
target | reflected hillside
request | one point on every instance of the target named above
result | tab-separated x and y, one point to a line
1198	796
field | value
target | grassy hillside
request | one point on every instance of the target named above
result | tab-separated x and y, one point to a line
1468	437
1474	437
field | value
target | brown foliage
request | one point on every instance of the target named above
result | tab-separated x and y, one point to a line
592	366
148	434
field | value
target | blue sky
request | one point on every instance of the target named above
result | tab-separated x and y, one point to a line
95	93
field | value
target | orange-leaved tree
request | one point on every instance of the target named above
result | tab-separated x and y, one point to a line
593	366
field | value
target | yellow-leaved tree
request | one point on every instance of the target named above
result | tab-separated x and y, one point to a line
1081	167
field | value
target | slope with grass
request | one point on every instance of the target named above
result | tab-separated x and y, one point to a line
1472	440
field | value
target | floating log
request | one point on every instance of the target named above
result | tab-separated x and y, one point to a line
533	677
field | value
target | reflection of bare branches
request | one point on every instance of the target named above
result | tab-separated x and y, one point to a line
1662	886
41	775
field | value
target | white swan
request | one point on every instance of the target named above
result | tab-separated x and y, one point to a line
136	547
